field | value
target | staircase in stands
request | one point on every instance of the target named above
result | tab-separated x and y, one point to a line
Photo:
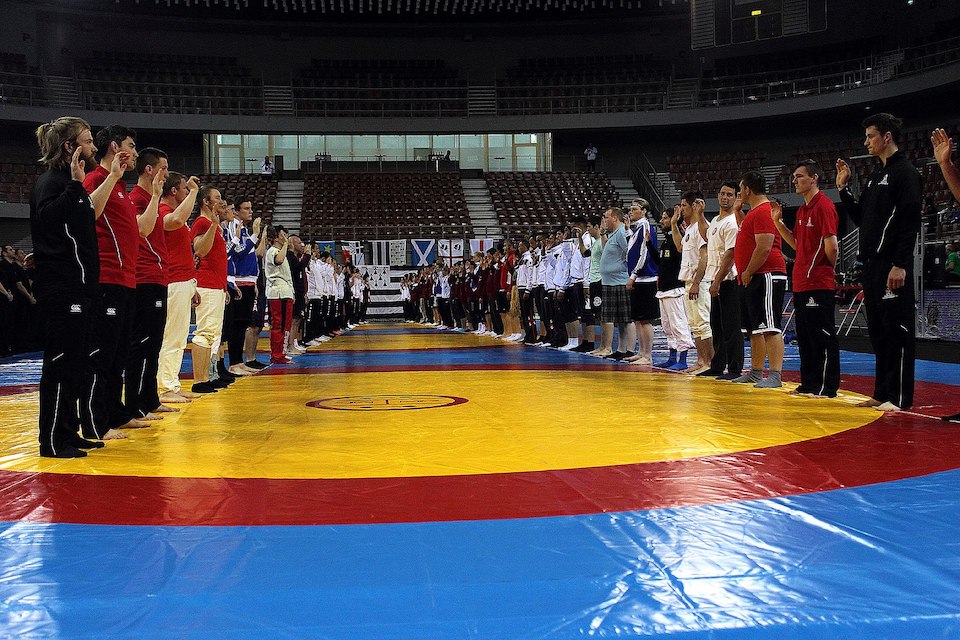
483	218
289	206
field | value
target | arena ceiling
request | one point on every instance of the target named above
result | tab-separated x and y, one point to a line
394	10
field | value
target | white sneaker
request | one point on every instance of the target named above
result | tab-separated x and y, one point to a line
314	342
570	345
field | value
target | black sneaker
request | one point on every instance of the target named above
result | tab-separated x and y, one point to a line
713	373
203	387
256	364
584	347
219	384
617	355
82	443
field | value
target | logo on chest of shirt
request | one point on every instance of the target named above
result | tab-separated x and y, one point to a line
883	181
75	308
809	222
111	311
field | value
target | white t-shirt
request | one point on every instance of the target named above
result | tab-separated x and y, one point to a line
690	260
279	280
721	237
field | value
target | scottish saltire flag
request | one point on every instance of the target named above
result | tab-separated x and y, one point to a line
450	251
325	245
398	253
424	252
379	252
481	245
354	250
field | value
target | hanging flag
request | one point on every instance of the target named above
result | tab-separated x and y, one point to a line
424	252
353	252
379	252
450	251
325	245
398	253
379	276
481	245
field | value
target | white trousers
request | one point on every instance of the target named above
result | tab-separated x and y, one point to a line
673	319
209	318
698	311
175	331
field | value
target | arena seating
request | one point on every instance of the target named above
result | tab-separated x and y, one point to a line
261	189
707	172
17	179
174	84
383	205
584	84
379	88
540	201
19	82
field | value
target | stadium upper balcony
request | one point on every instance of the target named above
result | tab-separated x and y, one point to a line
585	84
379	88
428	88
175	84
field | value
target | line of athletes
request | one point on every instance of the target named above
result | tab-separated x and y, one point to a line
708	282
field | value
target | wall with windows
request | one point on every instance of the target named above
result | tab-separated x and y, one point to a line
243	153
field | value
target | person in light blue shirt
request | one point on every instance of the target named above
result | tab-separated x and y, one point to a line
613	279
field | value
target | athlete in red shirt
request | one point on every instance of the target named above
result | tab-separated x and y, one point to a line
118	233
814	237
211	274
179	196
763	274
151	294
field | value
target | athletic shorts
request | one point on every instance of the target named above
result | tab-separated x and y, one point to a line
762	302
644	305
593	304
567	306
502	302
259	312
299	304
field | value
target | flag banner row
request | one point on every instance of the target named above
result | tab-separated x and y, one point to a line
425	251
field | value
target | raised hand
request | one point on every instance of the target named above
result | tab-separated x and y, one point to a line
193	184
698	207
158	180
776	212
676	215
256	227
942	146
77	166
120	164
843	173
738	204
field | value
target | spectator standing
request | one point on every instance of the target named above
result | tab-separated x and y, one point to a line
279	293
590	153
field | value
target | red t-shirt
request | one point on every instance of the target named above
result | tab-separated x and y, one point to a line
758	221
179	250
118	238
212	271
506	271
152	257
815	221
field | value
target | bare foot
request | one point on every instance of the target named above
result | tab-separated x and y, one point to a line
603	353
113	434
635	358
869	402
642	362
189	395
165	409
150	417
699	369
134	424
174	398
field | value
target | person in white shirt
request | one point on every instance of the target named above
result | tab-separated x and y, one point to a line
266	167
590	153
279	293
693	265
721	279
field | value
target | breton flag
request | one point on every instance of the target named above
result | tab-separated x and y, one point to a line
450	251
481	245
353	251
424	252
380	251
398	253
379	276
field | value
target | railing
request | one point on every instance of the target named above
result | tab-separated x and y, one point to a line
643	172
246	98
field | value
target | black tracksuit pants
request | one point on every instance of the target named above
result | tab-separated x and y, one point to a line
817	340
726	329
891	322
101	398
150	310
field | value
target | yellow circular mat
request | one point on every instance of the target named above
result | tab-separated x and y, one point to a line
512	421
